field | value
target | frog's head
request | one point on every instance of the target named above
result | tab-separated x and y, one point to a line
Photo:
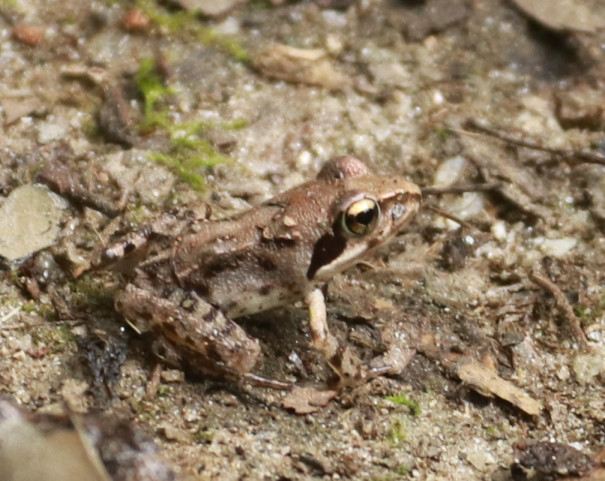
367	213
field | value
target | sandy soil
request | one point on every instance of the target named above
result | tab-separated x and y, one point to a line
414	88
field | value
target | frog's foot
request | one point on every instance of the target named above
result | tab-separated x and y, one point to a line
352	371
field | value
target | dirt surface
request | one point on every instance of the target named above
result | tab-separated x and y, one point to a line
127	110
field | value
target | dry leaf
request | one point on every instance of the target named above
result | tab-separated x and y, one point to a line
307	400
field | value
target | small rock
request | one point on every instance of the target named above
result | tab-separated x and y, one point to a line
210	8
49	132
15	108
480	459
28	34
29	221
307	400
449	171
557	247
172	433
74	395
173	375
300	65
563	15
581	107
135	20
588	366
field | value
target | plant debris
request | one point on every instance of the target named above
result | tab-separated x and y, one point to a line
307	400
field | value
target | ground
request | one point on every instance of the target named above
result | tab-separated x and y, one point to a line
126	109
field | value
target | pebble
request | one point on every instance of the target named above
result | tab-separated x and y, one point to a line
29	221
49	132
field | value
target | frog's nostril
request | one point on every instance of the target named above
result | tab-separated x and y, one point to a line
397	211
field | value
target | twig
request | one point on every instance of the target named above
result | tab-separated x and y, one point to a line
459	189
482	127
563	305
447	215
10	314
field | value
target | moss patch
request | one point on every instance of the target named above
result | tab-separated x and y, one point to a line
402	400
189	154
185	24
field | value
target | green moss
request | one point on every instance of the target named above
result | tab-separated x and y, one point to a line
153	90
89	292
259	4
185	24
402	400
44	311
56	339
396	436
183	166
204	436
235	125
402	470
164	390
588	315
189	155
443	133
29	307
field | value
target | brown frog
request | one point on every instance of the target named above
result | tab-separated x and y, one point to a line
187	279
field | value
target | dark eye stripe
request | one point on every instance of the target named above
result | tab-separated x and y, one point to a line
326	249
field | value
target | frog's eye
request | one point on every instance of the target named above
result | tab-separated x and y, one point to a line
360	217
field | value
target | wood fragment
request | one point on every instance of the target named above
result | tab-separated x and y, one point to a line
480	378
298	65
154	383
307	400
563	305
517	183
485	380
62	178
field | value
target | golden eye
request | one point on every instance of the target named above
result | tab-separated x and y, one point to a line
361	217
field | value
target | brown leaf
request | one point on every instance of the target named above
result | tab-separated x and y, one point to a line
307	400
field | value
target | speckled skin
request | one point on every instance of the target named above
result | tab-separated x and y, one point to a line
272	255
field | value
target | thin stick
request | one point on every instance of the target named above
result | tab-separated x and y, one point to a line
447	215
563	305
461	188
588	157
10	314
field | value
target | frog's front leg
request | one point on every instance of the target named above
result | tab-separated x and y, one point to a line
197	331
349	368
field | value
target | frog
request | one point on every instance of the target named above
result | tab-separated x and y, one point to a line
188	277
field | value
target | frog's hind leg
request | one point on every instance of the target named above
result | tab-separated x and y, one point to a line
192	330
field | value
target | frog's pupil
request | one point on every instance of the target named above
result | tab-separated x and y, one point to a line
366	217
